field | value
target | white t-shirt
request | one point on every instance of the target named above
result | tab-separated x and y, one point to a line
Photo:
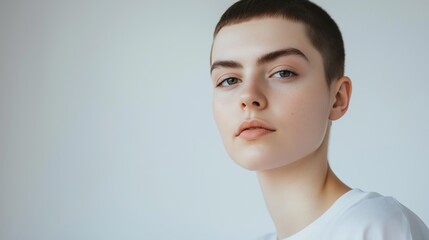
359	215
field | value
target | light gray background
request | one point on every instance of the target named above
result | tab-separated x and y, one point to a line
106	130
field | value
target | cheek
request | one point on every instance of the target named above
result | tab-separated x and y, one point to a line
221	111
310	113
303	116
217	114
224	121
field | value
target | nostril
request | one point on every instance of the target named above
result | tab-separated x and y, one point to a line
251	104
256	103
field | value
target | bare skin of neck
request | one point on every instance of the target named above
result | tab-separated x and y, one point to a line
299	193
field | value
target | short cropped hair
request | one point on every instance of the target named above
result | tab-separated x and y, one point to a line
321	29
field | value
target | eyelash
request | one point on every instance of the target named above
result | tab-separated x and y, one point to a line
226	80
290	75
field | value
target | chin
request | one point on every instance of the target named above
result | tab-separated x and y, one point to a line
257	163
250	165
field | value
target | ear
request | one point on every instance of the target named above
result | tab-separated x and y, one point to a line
341	91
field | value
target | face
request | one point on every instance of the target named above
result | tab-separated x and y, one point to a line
271	101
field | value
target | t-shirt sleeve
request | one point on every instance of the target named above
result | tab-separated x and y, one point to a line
417	228
382	219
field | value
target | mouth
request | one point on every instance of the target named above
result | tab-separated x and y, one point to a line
253	129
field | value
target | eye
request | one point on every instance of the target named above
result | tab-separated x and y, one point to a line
284	74
228	82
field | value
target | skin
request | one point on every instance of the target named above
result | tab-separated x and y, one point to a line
267	71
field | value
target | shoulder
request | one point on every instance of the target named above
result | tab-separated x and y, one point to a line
378	217
362	215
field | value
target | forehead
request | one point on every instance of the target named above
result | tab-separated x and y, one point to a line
248	40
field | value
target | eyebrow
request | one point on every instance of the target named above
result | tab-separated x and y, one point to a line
225	64
266	58
269	57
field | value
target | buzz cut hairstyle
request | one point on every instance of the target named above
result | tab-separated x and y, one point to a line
321	29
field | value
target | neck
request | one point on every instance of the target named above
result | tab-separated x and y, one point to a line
297	194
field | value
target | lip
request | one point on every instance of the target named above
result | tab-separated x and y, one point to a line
253	129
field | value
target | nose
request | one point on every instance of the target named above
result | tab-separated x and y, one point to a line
253	97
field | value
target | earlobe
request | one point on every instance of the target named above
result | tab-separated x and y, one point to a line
341	93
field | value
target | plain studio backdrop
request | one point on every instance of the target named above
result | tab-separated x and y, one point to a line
106	128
